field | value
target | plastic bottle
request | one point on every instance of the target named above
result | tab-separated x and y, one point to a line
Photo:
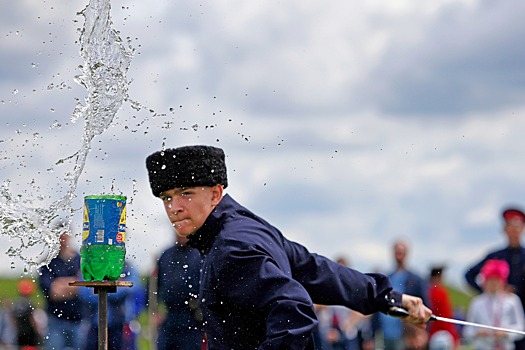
103	249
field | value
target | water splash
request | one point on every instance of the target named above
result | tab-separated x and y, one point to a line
103	74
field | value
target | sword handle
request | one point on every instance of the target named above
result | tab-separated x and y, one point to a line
399	312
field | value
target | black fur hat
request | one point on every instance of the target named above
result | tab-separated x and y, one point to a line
187	166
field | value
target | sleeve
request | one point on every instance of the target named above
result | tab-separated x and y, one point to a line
472	274
517	317
261	280
328	282
45	280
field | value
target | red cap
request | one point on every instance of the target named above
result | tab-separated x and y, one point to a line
496	269
513	214
26	287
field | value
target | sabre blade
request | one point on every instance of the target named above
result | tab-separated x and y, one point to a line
402	313
479	325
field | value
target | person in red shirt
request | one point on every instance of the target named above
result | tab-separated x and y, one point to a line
441	305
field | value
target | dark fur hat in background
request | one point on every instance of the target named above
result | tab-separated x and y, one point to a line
186	166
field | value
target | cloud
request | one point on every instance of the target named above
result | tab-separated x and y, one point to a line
464	59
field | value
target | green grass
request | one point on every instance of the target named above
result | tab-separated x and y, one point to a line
9	292
459	298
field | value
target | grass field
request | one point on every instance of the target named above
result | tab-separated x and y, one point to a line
9	292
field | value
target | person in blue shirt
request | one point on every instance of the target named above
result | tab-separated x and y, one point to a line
63	305
178	273
513	254
136	301
257	288
406	281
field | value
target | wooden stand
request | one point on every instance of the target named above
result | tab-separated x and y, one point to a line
102	288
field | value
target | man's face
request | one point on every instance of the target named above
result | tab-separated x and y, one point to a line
188	208
513	229
64	241
400	252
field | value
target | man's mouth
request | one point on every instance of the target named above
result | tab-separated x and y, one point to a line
178	222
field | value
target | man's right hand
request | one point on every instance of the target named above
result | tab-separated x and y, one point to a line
418	313
61	290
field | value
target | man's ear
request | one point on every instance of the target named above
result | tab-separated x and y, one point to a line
216	193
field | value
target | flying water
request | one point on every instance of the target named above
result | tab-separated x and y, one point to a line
106	61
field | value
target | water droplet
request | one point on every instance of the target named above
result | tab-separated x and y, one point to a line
55	125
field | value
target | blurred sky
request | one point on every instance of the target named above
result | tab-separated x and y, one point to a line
347	124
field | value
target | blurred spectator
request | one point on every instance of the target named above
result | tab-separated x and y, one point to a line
27	332
494	307
460	313
178	288
439	302
135	303
339	327
441	340
63	306
7	325
405	281
414	338
324	318
116	313
513	254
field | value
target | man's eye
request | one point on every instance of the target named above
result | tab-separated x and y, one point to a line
166	199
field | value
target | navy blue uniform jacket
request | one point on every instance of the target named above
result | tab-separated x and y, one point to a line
515	257
70	309
257	288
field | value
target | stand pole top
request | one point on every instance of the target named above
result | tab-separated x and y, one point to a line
99	284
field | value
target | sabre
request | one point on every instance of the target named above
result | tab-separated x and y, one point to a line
400	313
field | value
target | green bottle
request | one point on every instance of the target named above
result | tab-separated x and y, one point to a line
103	250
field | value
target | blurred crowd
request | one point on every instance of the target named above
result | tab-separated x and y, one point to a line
68	316
498	285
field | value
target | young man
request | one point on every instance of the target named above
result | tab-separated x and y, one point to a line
513	254
257	288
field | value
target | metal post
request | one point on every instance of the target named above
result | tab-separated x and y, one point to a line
102	319
102	288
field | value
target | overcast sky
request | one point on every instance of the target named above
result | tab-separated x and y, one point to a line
346	124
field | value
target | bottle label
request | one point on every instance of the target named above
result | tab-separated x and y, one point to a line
104	220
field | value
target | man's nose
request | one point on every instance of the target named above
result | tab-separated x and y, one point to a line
174	205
